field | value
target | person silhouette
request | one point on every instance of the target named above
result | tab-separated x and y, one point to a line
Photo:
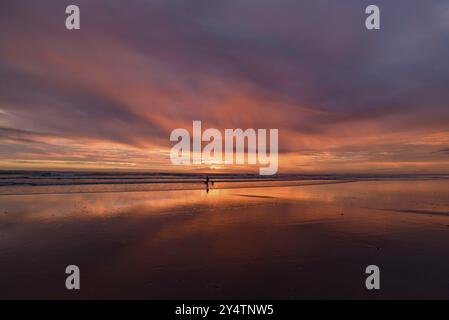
207	184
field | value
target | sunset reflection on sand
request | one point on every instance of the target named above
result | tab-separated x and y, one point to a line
274	242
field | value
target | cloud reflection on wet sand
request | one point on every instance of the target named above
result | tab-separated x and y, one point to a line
284	242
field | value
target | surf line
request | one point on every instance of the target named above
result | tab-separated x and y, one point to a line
182	153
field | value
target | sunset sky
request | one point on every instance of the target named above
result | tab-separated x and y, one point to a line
107	96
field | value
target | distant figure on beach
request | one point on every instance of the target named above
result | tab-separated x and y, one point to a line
207	183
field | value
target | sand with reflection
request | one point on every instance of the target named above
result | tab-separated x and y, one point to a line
273	242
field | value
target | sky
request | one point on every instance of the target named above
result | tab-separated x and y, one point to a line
107	96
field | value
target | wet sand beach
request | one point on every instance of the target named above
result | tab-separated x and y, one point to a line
276	242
